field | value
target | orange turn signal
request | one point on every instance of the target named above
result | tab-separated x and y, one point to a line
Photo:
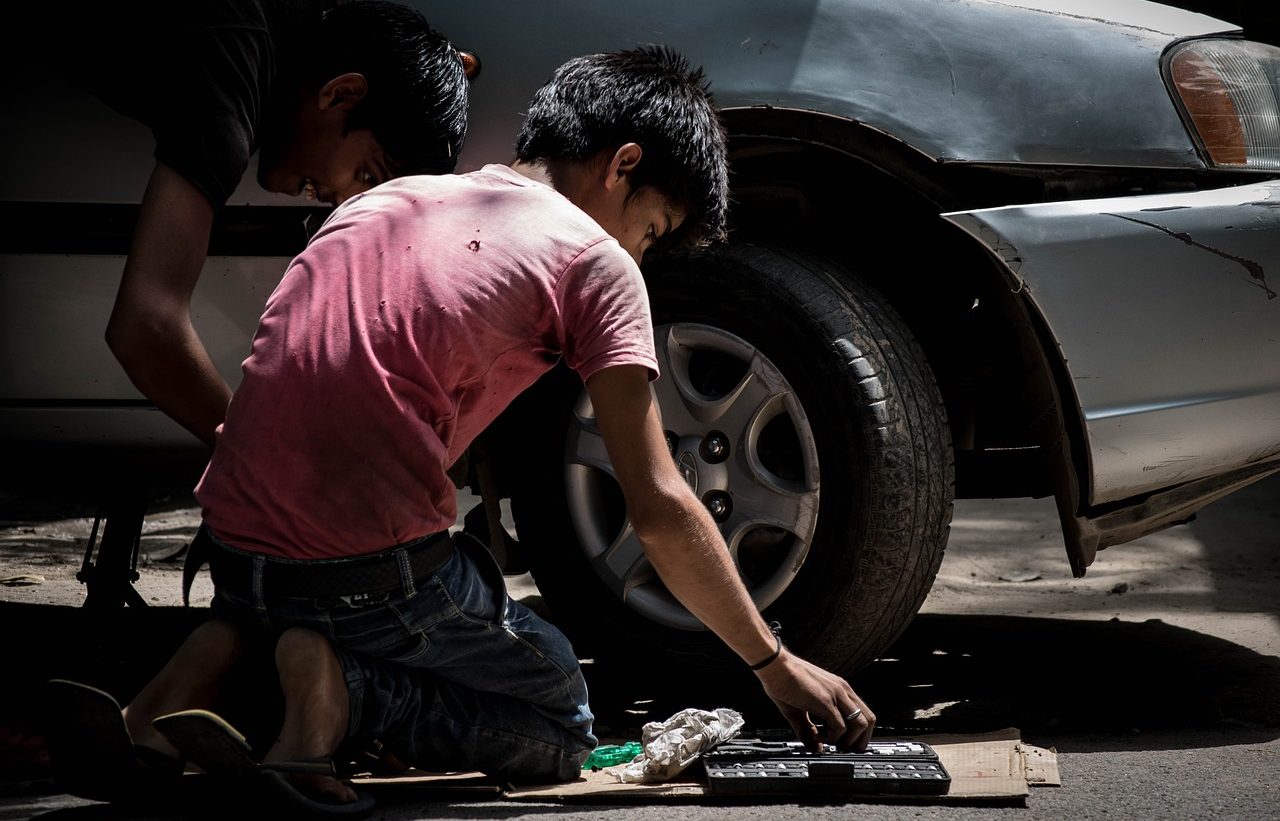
1209	105
1229	90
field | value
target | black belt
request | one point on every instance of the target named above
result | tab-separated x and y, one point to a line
233	570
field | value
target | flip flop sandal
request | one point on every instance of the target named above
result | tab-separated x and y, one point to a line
92	754
219	749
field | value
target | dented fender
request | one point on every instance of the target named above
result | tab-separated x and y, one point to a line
1165	317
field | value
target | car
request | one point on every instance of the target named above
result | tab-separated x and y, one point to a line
980	248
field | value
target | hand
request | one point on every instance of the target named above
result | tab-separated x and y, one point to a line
808	695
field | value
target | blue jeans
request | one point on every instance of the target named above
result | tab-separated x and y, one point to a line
449	673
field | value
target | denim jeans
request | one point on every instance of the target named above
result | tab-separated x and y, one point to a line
448	673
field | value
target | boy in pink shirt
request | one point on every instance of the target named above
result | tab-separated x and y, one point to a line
418	312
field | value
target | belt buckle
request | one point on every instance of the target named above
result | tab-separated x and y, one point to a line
365	599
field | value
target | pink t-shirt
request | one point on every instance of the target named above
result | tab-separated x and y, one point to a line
418	312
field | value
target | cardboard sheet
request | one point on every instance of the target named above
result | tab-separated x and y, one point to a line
988	766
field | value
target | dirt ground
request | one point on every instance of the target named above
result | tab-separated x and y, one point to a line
1164	660
1216	576
42	547
1004	598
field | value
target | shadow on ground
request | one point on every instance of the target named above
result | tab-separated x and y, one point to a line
1241	541
1048	677
948	673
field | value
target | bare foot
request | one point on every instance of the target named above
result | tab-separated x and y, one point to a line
322	787
316	711
190	679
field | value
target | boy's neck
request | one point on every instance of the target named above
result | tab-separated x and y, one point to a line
538	171
575	180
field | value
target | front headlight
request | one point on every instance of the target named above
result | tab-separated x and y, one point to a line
1230	96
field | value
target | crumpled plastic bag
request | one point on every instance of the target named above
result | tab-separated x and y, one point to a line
672	745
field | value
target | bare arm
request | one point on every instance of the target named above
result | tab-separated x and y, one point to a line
682	542
150	330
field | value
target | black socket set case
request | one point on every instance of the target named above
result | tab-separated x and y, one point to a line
755	767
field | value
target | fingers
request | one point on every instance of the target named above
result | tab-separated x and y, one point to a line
807	695
802	727
859	723
849	721
847	718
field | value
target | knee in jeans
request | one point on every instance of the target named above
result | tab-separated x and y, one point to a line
539	767
549	771
573	753
575	758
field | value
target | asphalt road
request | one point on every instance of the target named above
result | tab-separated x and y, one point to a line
1156	677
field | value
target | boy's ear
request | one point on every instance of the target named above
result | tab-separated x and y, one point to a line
621	164
343	91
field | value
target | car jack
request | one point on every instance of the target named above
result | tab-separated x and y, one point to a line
109	582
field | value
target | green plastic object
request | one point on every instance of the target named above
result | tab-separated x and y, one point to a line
610	755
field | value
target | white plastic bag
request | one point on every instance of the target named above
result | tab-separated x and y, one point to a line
672	745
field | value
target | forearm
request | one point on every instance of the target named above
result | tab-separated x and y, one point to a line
166	361
690	556
685	547
150	330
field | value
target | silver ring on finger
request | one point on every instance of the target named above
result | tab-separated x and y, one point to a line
857	711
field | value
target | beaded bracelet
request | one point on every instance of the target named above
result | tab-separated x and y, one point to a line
776	629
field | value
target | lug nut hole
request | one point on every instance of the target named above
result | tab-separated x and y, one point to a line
714	448
719	504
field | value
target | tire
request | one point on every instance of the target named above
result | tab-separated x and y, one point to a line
838	450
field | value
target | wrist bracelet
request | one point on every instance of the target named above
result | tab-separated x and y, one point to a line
776	629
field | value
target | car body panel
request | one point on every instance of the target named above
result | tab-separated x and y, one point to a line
1165	314
55	365
995	82
966	80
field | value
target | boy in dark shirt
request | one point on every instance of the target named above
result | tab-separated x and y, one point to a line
335	100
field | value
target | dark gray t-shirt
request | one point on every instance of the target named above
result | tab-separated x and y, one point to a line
210	78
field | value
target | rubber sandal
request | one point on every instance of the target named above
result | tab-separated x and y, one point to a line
309	806
92	754
220	750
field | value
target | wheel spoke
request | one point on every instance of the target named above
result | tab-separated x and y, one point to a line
771	521
588	445
673	392
623	565
765	504
764	500
773	507
762	388
788	557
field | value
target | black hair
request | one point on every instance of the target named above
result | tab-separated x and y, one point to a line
416	104
649	96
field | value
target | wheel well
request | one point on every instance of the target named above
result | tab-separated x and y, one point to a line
877	214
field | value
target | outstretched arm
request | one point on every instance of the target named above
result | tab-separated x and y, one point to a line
682	542
150	330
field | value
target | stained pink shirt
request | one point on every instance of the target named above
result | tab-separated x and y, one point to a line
418	312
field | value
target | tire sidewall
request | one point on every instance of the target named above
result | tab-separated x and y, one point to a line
797	315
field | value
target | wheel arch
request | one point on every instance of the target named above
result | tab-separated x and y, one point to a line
871	202
818	183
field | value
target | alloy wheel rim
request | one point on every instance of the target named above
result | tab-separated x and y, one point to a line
741	440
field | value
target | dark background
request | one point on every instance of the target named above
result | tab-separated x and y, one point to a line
1260	19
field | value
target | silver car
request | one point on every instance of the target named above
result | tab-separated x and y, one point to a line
989	248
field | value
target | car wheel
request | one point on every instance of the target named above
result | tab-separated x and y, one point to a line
805	418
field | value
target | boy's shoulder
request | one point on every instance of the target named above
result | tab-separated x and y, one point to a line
487	181
494	197
501	179
496	186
